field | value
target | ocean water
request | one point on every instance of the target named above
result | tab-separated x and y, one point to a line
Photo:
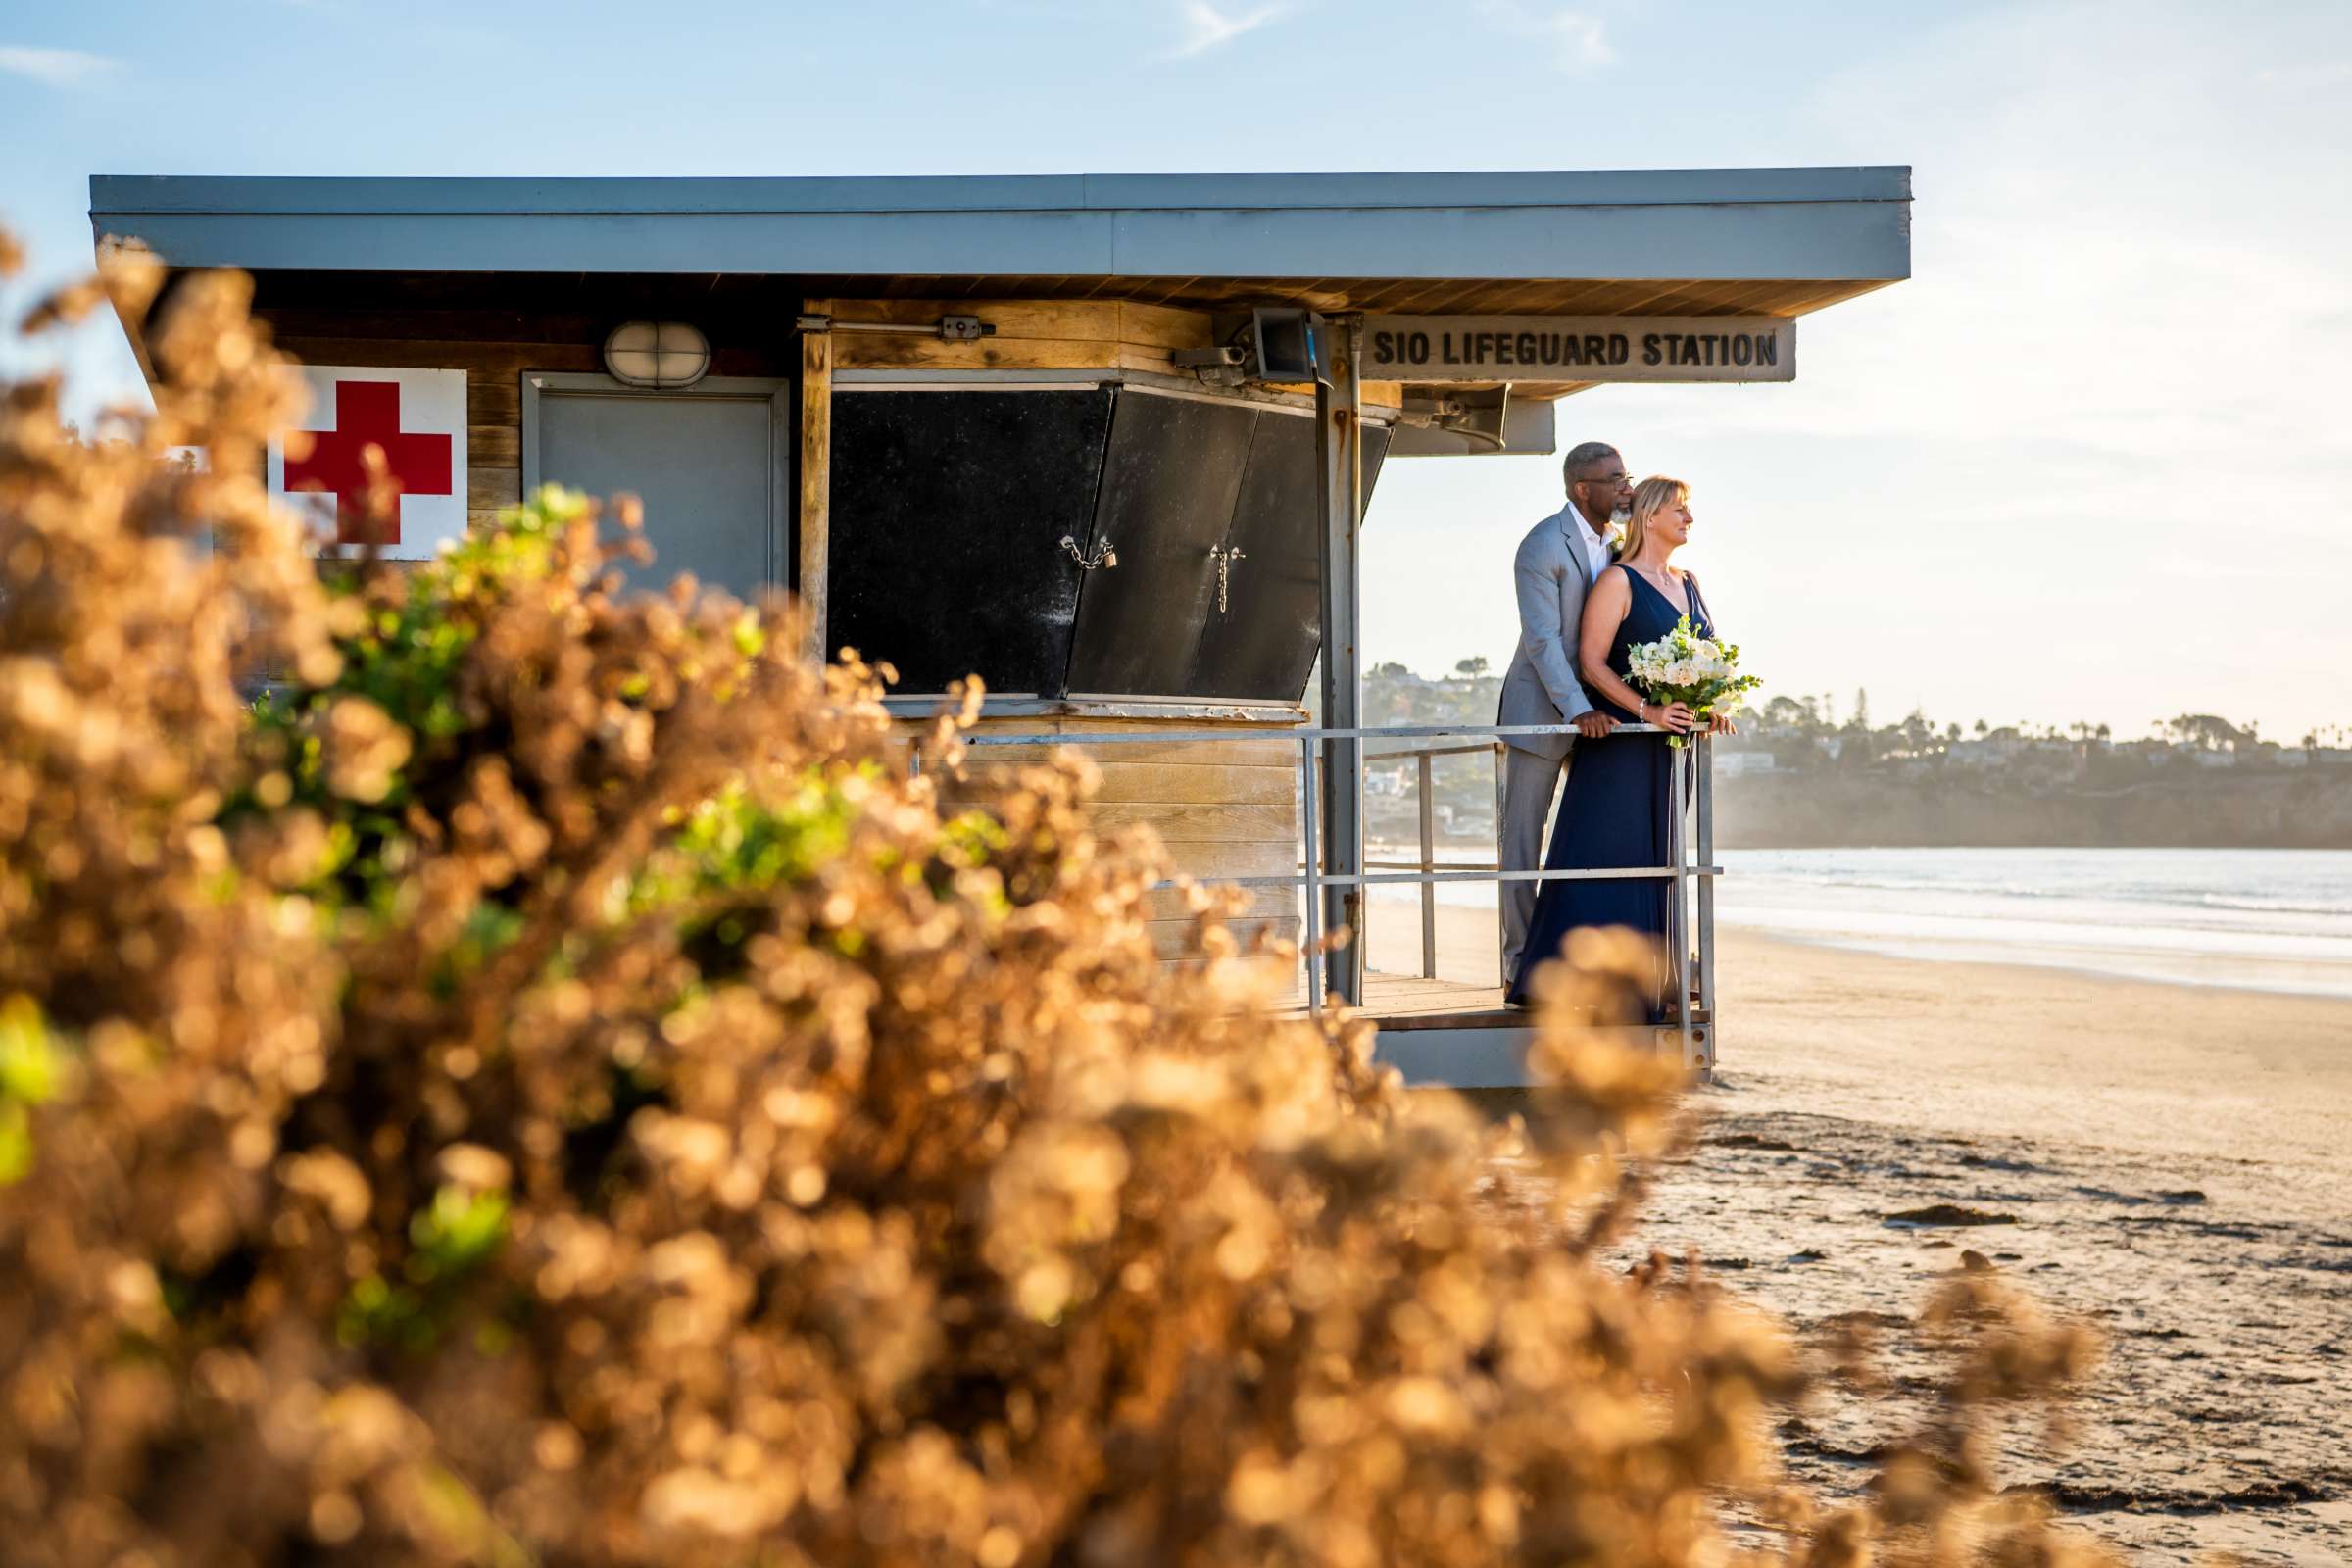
2262	919
2267	919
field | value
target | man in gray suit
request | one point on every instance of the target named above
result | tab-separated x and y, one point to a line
1557	563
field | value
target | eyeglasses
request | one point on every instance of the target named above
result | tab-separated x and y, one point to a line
1619	479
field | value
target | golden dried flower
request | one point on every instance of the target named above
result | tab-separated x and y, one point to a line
542	1084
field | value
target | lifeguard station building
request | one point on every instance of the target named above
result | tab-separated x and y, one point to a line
1106	441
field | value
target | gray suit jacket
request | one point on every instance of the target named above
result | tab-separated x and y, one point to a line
1541	687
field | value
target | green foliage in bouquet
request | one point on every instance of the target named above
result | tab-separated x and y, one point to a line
1699	672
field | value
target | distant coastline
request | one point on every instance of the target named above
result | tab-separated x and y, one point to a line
2305	810
1874	810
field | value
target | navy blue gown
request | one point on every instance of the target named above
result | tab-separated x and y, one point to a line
1614	810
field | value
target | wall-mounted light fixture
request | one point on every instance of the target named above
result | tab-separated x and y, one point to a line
663	354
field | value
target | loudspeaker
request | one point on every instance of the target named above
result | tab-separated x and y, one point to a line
1289	344
1483	414
1478	418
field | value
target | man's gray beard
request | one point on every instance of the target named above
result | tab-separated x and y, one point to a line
1621	516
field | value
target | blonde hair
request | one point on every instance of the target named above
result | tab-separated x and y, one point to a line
1649	495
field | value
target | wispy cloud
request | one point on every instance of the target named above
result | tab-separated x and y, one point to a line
1205	28
55	67
1579	39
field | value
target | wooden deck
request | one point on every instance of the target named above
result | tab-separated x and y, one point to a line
1449	1032
1402	996
1411	1002
1417	997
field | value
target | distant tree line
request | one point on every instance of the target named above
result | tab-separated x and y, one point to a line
1810	733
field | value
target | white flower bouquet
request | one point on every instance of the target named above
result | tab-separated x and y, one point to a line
1699	672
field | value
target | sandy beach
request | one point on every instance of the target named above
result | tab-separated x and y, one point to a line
2174	1161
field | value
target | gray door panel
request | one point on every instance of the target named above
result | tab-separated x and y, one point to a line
704	463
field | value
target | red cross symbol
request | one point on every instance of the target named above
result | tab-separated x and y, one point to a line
367	414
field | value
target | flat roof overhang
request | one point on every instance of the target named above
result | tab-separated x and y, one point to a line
1770	241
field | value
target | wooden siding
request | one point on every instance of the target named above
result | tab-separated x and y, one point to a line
496	347
746	315
1040	335
1222	808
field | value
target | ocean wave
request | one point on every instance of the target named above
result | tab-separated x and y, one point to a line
2271	919
2317	884
2243	900
2321	905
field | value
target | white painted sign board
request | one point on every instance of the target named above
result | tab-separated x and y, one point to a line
417	419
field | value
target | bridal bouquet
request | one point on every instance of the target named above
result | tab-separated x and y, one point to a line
1700	673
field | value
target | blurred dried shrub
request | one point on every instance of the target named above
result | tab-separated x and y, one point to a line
542	1084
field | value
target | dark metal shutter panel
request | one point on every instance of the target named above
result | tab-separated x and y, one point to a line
947	517
1263	646
1169	481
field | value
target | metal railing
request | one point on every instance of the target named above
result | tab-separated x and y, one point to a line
1689	807
1424	797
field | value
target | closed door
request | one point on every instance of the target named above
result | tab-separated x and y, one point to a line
707	463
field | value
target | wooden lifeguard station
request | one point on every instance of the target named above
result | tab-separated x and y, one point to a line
1106	441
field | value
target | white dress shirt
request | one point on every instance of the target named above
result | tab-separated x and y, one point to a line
1594	546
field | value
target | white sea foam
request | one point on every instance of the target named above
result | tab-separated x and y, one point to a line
2265	919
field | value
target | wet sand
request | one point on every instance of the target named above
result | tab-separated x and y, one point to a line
2177	1163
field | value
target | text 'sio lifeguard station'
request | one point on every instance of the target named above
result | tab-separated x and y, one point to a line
1103	440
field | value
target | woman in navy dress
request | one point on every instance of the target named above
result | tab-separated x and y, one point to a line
1614	809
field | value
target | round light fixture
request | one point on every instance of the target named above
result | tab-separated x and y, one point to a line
663	354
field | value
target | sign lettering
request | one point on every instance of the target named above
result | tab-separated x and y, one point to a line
1580	348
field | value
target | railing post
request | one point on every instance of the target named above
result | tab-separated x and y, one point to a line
1502	938
1324	881
1677	919
1429	890
1307	803
1707	894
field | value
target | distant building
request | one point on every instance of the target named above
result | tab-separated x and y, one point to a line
1731	765
1982	753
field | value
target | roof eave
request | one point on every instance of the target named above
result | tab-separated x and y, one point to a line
1827	223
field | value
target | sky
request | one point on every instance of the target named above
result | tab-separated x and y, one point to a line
2092	461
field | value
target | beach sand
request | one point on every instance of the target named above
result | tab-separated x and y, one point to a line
2178	1161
